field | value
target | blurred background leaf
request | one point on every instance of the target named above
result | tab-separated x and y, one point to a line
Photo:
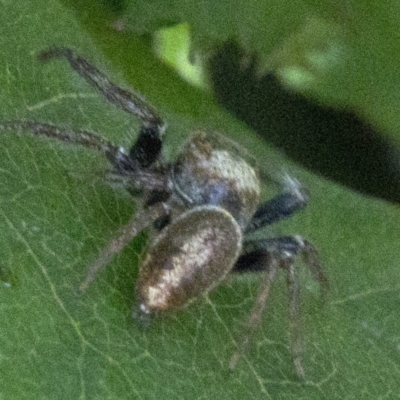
341	53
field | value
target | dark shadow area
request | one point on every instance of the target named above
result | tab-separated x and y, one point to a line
115	6
333	143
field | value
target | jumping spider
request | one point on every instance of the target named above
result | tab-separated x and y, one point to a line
204	205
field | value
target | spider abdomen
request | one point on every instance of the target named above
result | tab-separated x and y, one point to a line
190	257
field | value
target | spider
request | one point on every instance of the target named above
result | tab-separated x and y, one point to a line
204	206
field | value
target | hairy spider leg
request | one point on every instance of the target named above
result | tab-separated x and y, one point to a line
141	179
294	198
148	146
138	178
269	255
297	345
134	168
64	134
252	258
256	313
266	255
138	223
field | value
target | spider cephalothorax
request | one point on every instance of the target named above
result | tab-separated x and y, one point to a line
204	205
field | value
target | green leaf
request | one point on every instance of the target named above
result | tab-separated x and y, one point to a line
55	216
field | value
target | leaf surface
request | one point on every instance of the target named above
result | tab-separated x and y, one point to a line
55	216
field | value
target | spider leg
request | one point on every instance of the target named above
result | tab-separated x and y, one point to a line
134	169
268	255
256	312
126	169
147	148
116	155
128	101
149	143
297	342
137	224
294	198
311	259
283	247
65	134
